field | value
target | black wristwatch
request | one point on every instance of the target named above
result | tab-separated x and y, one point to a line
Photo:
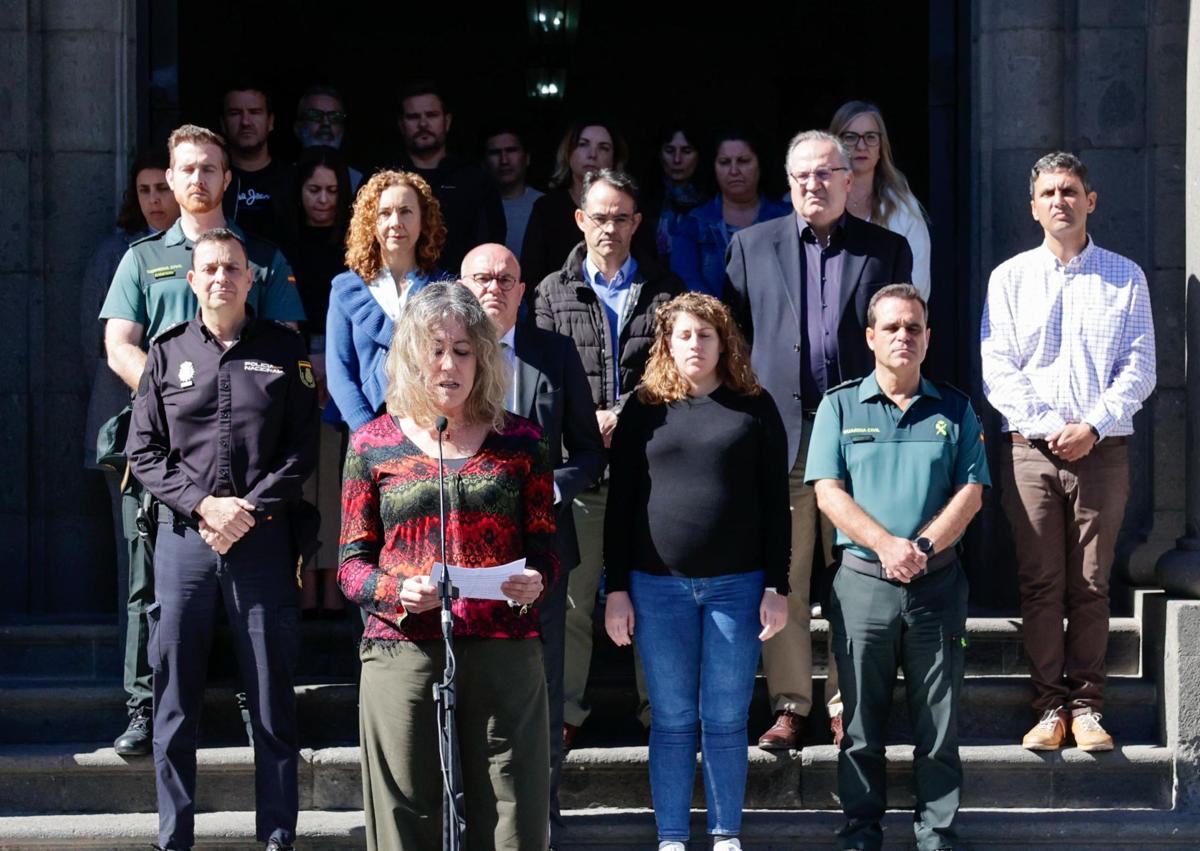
925	546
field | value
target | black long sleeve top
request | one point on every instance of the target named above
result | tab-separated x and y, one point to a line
698	488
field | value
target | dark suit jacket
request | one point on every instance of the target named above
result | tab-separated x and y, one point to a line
763	288
553	391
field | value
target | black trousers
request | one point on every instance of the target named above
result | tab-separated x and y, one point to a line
256	580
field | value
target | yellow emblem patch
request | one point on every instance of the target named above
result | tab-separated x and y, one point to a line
942	428
306	374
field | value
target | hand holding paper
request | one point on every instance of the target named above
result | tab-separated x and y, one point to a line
490	583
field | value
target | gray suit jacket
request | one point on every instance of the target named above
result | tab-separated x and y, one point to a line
553	391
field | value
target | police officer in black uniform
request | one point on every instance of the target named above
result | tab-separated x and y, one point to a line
224	433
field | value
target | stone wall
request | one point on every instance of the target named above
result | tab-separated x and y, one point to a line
1105	79
66	129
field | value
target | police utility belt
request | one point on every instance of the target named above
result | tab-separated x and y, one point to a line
873	568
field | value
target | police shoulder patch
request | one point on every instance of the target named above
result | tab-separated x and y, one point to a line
170	331
307	378
285	326
853	382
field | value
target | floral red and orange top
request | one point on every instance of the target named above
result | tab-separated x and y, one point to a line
499	508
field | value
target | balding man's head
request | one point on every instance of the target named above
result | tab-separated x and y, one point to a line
493	274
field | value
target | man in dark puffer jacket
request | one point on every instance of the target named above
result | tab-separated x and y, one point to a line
605	301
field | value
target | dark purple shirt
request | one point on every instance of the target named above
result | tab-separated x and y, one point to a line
820	297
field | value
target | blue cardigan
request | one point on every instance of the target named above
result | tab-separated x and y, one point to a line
698	248
358	335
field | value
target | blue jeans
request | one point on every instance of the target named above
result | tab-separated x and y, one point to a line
699	644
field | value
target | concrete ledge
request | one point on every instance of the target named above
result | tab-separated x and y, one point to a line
590	830
50	779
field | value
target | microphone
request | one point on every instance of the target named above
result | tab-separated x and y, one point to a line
446	591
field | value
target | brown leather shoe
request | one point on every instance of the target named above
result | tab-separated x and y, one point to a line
570	731
1048	733
787	733
835	727
1088	734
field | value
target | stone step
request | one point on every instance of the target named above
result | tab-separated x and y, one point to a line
994	647
33	712
89	651
52	779
594	830
991	707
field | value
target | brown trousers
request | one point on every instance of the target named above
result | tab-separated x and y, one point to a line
1065	517
787	656
502	741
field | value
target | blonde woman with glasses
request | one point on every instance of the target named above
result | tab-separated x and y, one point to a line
880	193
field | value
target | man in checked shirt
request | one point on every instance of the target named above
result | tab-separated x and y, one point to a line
1067	343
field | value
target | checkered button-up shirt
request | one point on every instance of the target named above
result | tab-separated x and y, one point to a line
1067	342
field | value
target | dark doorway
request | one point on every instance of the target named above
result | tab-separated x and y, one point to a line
778	68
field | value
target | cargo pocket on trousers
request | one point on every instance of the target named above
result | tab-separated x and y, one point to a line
153	651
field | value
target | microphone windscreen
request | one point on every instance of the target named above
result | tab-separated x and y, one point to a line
441	424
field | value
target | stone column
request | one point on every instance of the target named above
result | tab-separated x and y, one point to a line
1178	570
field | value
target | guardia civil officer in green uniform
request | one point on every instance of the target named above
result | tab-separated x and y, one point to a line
899	468
149	294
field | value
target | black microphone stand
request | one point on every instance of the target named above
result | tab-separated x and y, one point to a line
453	822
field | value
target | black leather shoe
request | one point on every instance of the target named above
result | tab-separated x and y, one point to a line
138	738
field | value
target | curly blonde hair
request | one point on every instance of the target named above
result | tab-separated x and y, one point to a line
363	255
662	382
407	362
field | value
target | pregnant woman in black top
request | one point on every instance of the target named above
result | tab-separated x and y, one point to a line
696	545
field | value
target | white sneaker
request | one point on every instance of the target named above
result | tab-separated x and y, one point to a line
730	844
672	845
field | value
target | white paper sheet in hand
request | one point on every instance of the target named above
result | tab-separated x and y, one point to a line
479	583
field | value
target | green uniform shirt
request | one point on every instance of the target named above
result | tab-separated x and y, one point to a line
901	467
150	285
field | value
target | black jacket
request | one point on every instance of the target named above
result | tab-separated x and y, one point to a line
566	304
553	391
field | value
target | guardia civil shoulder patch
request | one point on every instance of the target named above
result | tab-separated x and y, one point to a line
306	374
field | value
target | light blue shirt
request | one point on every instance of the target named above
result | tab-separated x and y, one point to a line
613	295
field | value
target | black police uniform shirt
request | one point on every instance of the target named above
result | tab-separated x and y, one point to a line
213	421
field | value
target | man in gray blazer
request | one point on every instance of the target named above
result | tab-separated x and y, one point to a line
799	288
550	388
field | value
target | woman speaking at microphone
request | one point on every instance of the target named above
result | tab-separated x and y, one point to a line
499	495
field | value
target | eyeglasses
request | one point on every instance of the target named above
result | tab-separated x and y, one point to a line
320	116
621	220
871	137
482	279
821	175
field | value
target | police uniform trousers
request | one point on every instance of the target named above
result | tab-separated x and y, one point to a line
919	627
256	580
502	742
139	598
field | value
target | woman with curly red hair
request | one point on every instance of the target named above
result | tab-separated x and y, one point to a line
393	243
696	545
